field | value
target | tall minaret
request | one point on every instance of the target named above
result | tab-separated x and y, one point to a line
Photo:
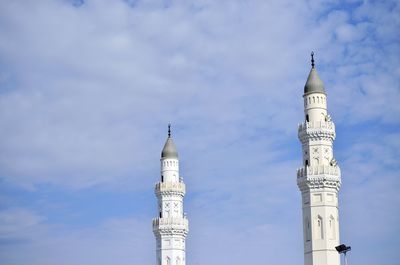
319	178
171	226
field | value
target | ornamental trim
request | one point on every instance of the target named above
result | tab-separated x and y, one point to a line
170	189
319	130
319	182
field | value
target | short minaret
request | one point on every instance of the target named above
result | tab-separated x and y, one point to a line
319	178
171	226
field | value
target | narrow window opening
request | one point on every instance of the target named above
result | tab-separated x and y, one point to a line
306	162
319	228
332	230
307	118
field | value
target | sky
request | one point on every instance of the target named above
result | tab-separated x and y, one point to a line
87	89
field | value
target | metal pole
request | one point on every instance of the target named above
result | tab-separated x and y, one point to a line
345	258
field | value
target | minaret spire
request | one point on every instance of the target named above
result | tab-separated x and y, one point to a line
312	60
169	130
314	83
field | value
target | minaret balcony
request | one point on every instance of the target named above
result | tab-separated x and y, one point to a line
318	177
316	130
171	225
170	188
318	170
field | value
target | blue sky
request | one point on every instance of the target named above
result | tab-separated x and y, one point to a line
87	89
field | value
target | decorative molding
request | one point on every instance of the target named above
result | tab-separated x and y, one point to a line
308	182
171	226
318	170
170	189
318	130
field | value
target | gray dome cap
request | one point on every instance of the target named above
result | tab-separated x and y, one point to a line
169	150
314	83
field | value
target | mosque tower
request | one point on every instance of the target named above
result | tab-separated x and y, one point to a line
171	226
319	178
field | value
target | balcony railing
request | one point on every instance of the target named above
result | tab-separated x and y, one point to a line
317	125
170	186
173	222
318	170
316	130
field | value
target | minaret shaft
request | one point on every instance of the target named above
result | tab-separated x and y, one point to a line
171	226
319	178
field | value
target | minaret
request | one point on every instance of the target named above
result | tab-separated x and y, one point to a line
319	178
171	226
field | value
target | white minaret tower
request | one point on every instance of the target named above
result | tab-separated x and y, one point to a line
171	226
319	178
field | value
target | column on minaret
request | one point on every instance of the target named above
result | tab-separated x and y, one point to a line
319	179
171	226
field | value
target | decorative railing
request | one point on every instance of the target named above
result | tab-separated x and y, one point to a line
171	222
317	125
318	170
326	178
178	187
317	130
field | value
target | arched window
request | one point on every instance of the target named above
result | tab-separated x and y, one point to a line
319	228
162	178
168	261
313	99
332	230
306	162
307	118
178	261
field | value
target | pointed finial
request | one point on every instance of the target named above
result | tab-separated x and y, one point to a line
312	60
169	130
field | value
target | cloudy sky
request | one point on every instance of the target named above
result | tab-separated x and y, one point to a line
87	89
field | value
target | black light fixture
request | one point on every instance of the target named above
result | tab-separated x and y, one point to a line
343	249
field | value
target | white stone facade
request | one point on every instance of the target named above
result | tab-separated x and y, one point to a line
319	182
171	226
